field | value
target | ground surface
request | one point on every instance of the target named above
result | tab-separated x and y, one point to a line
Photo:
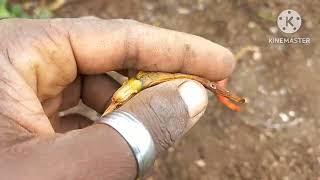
277	134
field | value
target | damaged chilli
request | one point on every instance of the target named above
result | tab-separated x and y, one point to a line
143	80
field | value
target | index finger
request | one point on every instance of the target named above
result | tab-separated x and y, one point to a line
105	45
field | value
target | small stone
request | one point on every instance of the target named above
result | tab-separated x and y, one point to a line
292	113
309	63
274	93
269	134
285	178
275	164
232	146
262	90
256	55
284	117
262	137
252	25
292	162
171	149
150	178
200	5
273	29
200	163
283	91
149	6
276	126
300	119
247	100
182	10
297	140
246	164
310	150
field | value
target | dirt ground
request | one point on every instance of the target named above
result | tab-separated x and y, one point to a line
277	135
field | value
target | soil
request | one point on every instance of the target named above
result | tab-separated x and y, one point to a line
276	136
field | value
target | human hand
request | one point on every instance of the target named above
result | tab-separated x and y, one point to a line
49	65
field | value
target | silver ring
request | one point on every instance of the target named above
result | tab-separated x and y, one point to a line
136	135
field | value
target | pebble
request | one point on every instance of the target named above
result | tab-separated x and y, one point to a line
297	140
232	146
309	63
275	164
171	149
310	151
292	113
184	11
273	29
200	5
256	55
200	163
283	91
149	6
274	93
262	137
286	178
284	117
252	25
262	90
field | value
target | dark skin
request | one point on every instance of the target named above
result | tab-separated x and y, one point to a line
49	65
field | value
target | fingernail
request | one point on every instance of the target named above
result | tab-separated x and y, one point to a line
194	96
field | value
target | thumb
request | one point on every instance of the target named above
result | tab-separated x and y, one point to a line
169	110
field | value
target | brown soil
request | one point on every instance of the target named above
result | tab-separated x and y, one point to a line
277	134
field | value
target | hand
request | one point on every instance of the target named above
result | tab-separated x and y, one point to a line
49	65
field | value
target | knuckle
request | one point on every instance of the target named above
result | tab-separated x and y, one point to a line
168	117
162	111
